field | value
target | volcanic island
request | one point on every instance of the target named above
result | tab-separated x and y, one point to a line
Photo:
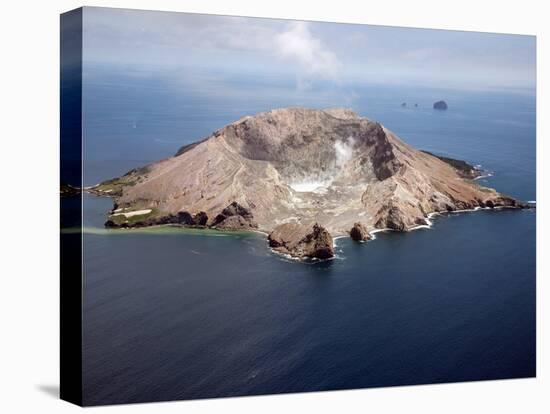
302	177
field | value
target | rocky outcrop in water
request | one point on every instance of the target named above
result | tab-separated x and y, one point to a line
442	105
359	233
301	241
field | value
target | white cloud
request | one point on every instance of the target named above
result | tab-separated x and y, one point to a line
309	51
298	45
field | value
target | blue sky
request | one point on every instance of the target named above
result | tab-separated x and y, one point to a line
209	49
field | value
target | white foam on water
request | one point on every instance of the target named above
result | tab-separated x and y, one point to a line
428	225
336	238
484	176
308	260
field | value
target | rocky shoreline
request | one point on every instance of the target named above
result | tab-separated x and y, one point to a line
292	239
465	169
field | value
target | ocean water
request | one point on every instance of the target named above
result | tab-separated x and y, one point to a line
181	314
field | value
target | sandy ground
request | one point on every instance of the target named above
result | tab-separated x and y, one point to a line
133	213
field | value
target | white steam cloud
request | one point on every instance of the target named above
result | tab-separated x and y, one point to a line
319	184
344	151
299	45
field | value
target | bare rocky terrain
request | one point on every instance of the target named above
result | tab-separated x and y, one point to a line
301	240
319	170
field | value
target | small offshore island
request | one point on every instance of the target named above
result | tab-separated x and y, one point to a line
302	176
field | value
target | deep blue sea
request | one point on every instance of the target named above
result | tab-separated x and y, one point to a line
179	314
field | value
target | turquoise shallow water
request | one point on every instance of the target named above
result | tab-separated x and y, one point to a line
174	314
